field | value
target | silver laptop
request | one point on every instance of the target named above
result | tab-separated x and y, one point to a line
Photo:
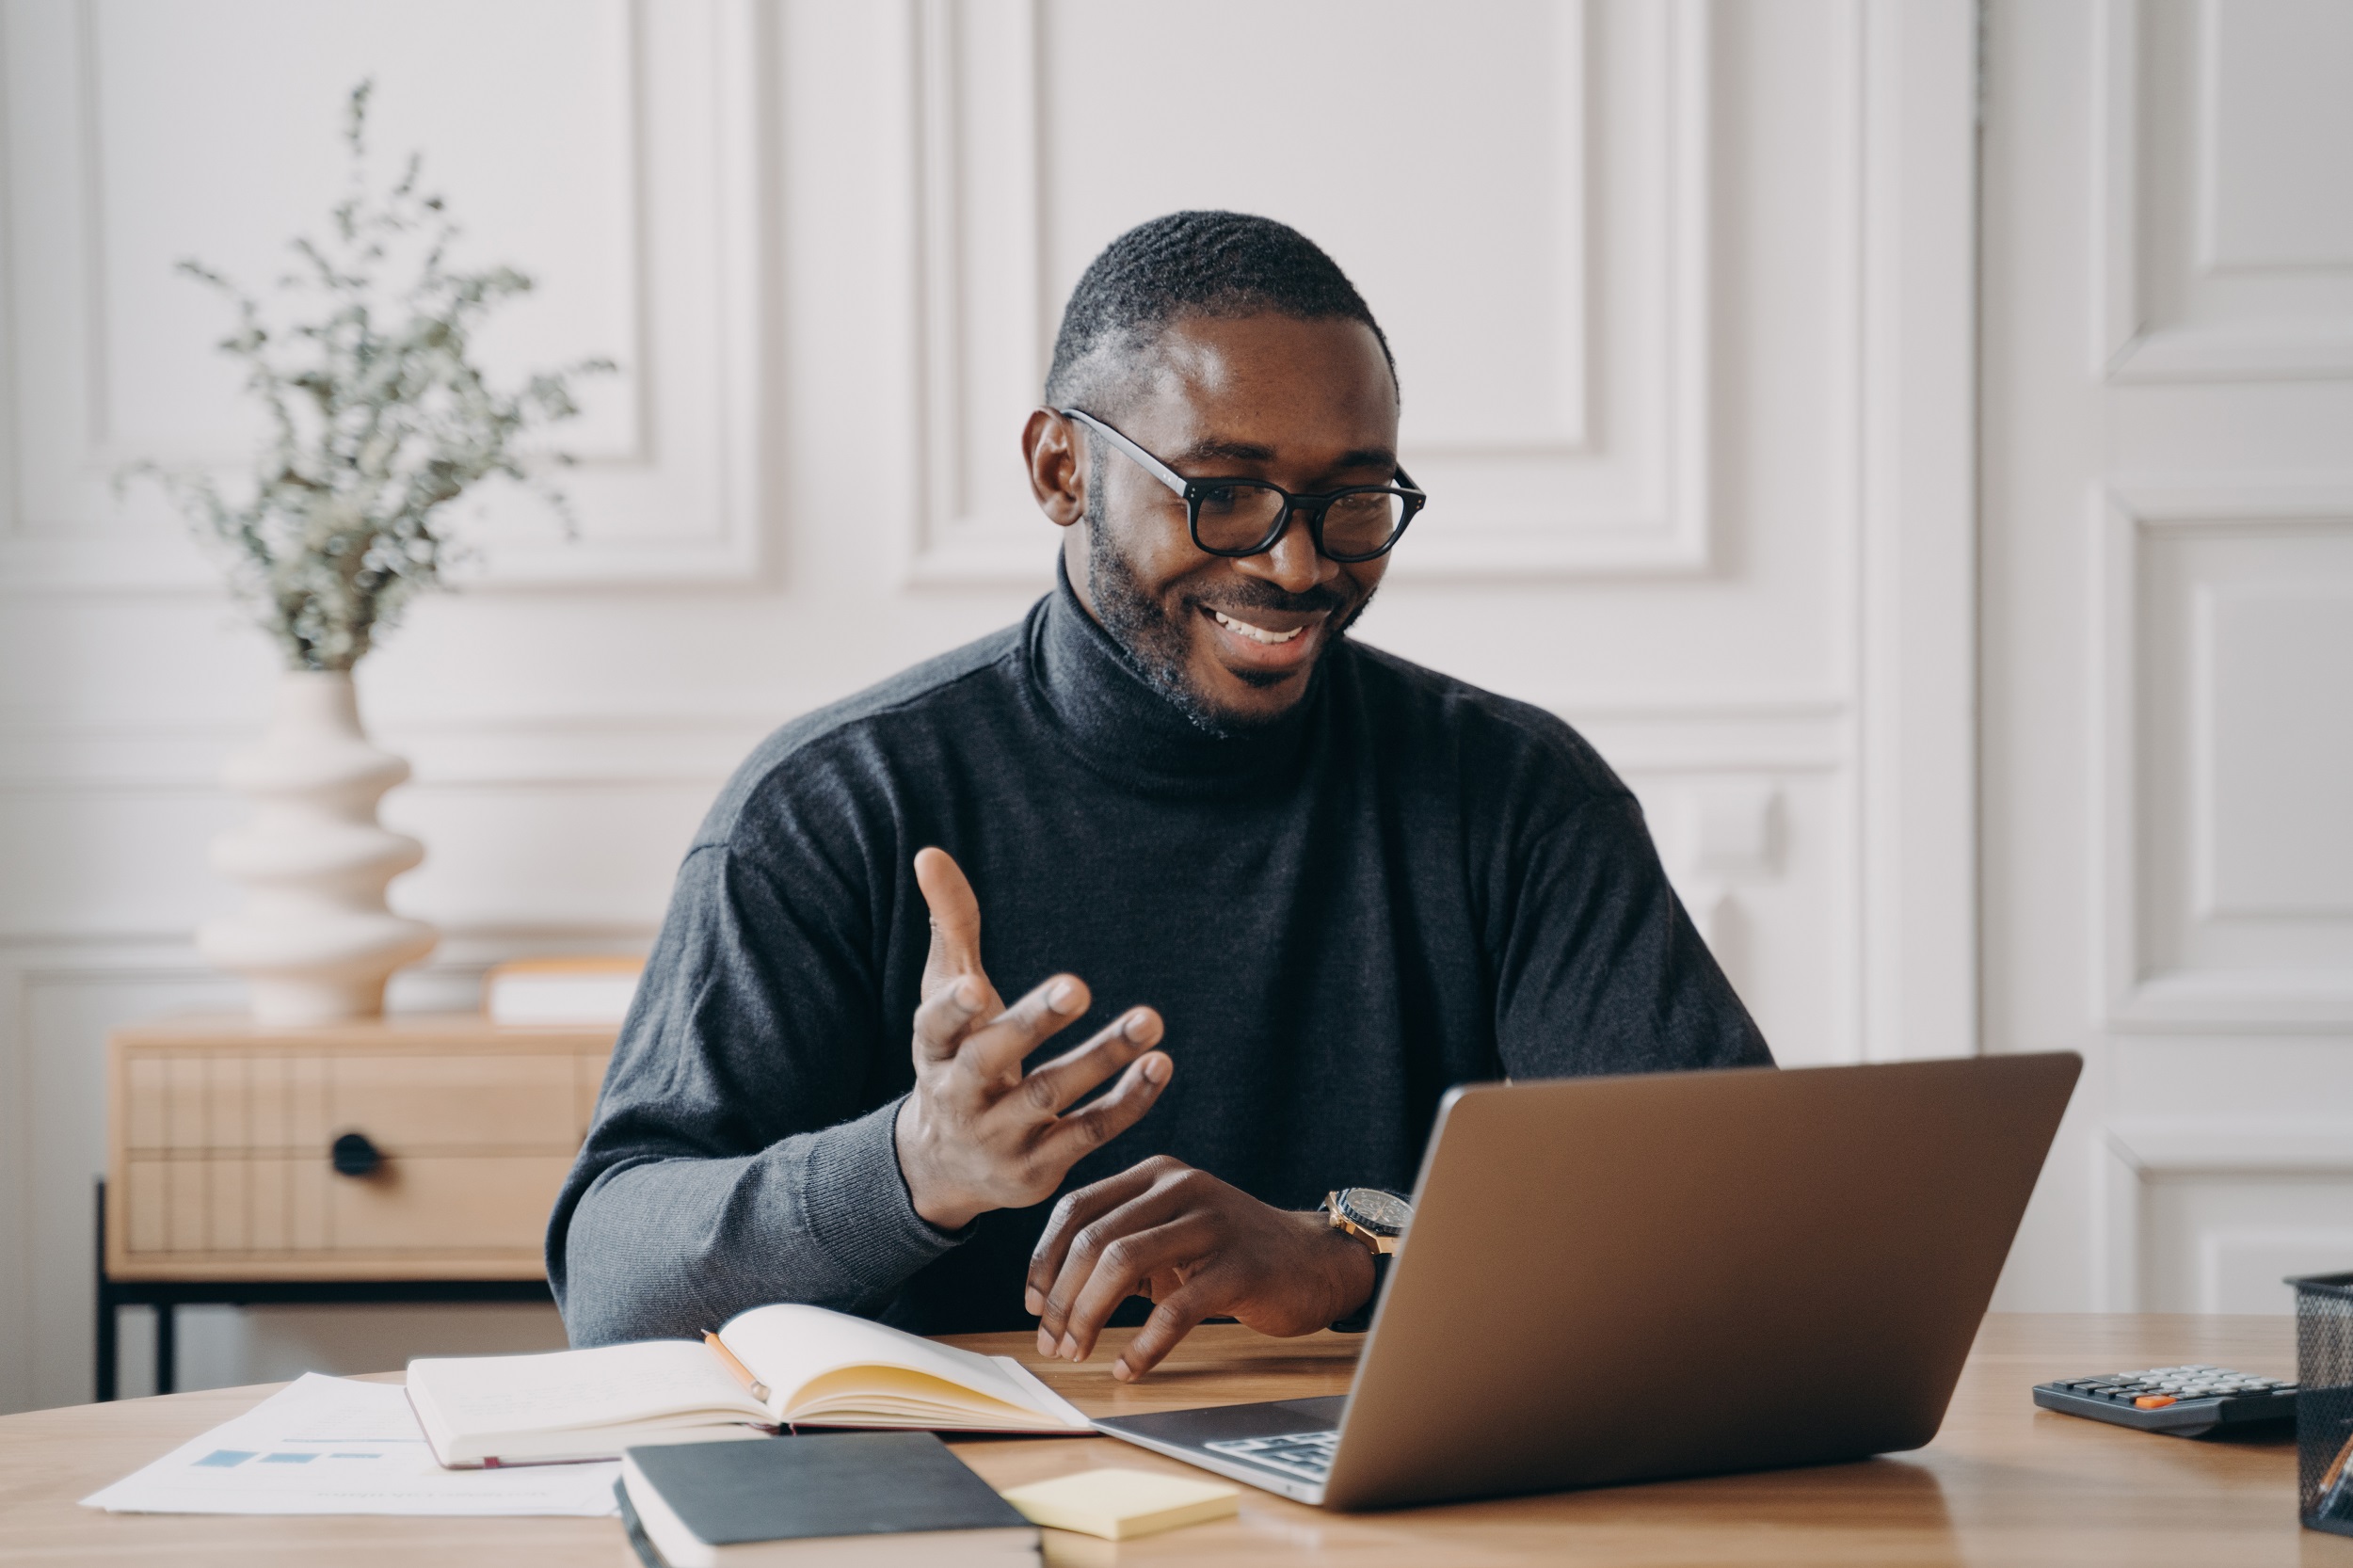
1624	1279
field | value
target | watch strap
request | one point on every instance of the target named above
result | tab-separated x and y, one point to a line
1361	1320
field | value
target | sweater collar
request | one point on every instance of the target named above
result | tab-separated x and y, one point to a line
1122	726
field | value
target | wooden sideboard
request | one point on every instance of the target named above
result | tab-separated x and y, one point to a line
397	1158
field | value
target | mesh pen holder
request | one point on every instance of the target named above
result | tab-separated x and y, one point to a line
2323	1402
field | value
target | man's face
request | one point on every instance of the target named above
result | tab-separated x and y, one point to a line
1307	404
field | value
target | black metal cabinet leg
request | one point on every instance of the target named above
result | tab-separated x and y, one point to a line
105	1335
106	1354
167	1349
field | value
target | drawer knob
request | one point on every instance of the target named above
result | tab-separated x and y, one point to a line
354	1156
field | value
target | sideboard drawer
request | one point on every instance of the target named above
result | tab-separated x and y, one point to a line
272	1209
223	1134
450	1203
448	1104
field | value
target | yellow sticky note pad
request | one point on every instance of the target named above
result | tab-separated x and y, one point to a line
1120	1505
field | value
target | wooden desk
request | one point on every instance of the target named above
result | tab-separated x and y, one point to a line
2004	1483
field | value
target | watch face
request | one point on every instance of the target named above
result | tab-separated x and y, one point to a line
1377	1210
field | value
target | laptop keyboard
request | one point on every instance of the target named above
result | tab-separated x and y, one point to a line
1305	1454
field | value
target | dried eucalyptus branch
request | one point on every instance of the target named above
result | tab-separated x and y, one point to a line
378	419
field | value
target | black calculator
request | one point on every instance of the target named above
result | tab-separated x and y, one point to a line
2184	1401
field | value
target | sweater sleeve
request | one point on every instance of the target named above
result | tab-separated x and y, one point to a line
739	1154
1598	968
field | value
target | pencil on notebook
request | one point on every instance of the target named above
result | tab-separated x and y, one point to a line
759	1389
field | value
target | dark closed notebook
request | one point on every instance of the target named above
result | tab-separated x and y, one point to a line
809	1488
635	1531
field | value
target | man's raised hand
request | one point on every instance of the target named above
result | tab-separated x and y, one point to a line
977	1133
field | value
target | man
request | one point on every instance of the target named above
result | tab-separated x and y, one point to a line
1282	889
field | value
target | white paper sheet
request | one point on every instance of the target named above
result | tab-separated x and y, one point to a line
326	1444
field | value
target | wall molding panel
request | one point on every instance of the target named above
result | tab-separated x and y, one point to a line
2205	1213
1618	483
667	484
2171	962
2173	310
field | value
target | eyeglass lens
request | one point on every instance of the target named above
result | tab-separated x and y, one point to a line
1239	516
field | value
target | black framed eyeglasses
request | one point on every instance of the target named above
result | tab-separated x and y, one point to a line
1246	517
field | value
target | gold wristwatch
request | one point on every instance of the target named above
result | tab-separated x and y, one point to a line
1374	1216
1377	1218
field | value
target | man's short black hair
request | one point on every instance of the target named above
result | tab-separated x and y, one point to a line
1208	263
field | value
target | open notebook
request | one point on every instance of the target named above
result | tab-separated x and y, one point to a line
813	1367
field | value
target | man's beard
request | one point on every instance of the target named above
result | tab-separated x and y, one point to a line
1158	648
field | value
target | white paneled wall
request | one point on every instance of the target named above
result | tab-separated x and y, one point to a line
2170	634
1680	290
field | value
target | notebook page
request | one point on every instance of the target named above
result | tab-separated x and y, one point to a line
788	1346
571	1390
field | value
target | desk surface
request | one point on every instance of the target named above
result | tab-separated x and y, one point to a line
2003	1483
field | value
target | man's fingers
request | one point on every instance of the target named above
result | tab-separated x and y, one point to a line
1080	1132
946	1017
1105	1239
997	1048
1054	1085
1171	1321
948	1021
955	920
1120	1269
1074	1213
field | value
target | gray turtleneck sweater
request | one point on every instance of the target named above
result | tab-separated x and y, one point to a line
1408	884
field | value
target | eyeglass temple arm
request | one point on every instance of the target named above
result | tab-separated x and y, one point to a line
1150	464
1160	471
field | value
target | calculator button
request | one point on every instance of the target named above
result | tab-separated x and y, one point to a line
2153	1401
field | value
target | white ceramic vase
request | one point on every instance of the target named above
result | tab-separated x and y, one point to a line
315	940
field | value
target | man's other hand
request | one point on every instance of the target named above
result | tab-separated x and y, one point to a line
1198	1248
977	1133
